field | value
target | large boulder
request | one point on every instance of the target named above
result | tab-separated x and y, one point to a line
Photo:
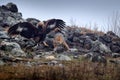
88	43
12	7
114	48
12	47
3	35
95	57
9	15
18	52
115	55
63	57
92	36
1	63
98	46
98	58
33	21
112	34
115	61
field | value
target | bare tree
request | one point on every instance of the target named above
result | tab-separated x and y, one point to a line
73	22
114	23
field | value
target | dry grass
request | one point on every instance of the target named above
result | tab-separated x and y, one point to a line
84	30
75	70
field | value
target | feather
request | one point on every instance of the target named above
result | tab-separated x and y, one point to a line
54	23
39	32
24	29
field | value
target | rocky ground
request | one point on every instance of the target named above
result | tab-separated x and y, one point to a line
88	45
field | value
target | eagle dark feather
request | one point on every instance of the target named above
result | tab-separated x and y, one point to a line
24	29
55	23
38	33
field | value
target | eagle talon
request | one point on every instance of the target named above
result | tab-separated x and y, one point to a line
45	44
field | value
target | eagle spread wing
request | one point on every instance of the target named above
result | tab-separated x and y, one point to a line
24	29
52	24
27	30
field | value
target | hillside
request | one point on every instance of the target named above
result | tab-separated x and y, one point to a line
98	50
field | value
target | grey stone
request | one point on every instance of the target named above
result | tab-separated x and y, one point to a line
12	7
1	18
73	49
59	49
3	35
115	61
98	46
53	63
37	57
14	48
88	55
115	55
1	63
18	52
49	57
11	45
63	57
98	58
104	48
33	21
115	48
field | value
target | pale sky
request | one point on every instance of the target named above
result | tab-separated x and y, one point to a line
81	11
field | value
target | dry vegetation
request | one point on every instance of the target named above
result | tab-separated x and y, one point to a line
85	30
75	70
70	70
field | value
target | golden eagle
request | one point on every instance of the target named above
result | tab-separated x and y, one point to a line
38	32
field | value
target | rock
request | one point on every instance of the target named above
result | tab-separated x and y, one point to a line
18	52
73	49
59	49
116	43
6	58
98	46
95	57
112	34
115	55
33	21
49	42
104	48
9	15
88	43
114	48
37	57
1	63
88	55
82	39
53	63
50	57
13	47
27	43
28	64
63	57
12	7
76	57
92	36
1	18
3	35
10	45
105	39
98	58
75	39
115	61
